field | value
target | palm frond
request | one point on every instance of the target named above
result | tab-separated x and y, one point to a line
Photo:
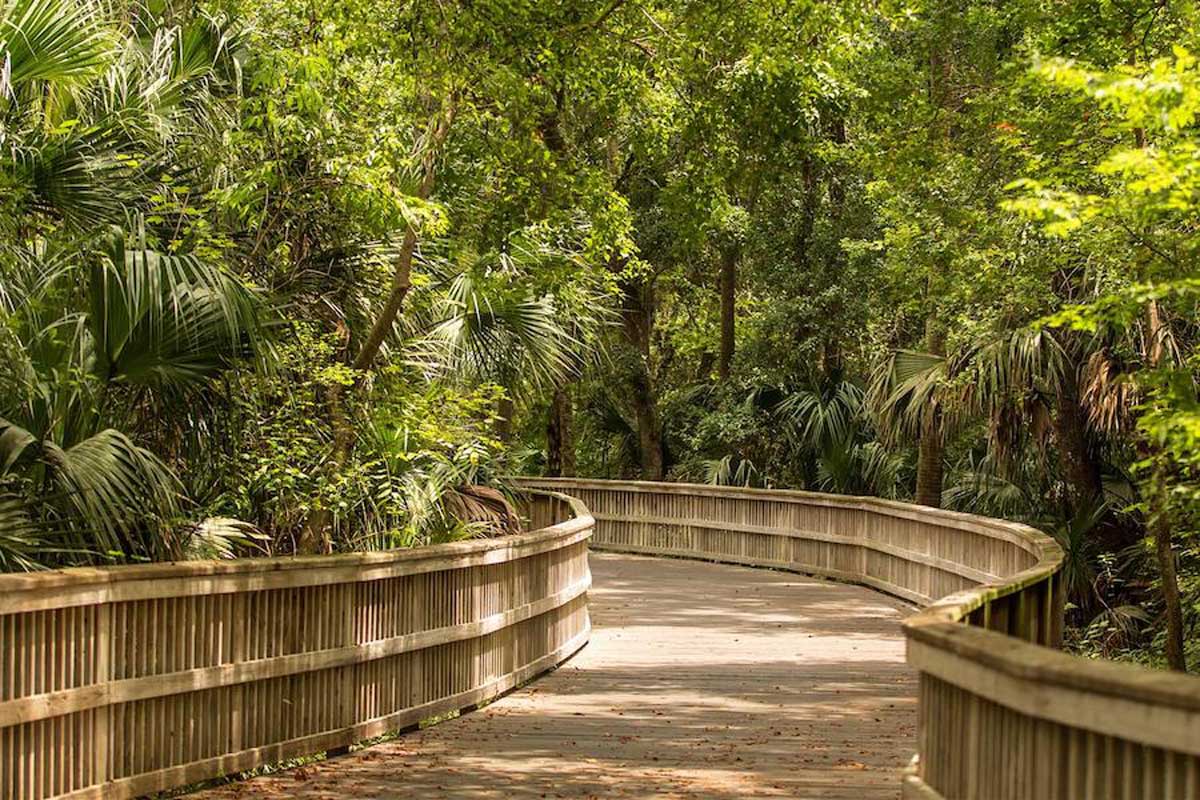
60	41
15	443
119	492
882	470
610	423
222	538
730	471
908	391
79	177
1077	539
979	489
21	544
1110	394
168	85
819	419
168	319
483	509
507	338
1025	360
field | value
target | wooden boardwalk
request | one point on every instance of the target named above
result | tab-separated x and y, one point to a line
700	681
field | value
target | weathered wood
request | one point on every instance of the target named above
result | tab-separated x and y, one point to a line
1000	716
700	681
124	681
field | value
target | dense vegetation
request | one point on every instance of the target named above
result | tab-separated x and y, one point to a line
302	276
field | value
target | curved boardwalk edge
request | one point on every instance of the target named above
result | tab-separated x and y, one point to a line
123	681
1001	714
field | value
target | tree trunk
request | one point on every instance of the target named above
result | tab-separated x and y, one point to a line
930	453
402	276
930	464
650	442
503	426
1081	471
1160	529
637	318
1160	515
728	289
315	535
835	267
560	436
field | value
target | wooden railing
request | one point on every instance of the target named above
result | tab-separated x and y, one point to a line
123	681
1000	716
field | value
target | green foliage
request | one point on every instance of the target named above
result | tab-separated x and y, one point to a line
57	42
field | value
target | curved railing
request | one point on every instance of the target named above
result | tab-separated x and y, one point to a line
123	681
999	716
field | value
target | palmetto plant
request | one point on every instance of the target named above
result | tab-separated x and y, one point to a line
400	493
58	42
609	425
1024	492
831	425
91	344
101	497
825	418
97	327
1028	386
488	332
911	391
486	323
978	486
730	471
91	98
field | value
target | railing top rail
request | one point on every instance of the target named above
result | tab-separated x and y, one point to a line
1029	538
1044	665
33	591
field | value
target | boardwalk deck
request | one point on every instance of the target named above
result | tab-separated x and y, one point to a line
701	681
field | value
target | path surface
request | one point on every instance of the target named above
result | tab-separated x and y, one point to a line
700	681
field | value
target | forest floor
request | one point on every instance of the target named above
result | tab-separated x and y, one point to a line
700	681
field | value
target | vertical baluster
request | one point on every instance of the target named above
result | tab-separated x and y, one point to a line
101	649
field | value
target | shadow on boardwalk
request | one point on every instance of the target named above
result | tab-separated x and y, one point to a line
701	681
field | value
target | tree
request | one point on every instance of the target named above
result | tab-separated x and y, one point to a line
1148	187
915	399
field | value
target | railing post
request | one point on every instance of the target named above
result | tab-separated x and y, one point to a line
351	638
1058	609
239	609
102	719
